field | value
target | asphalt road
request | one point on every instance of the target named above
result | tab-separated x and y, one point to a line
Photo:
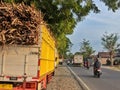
109	80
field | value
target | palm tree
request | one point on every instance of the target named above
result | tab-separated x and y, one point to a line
109	41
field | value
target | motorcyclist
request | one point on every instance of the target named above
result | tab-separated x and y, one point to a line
97	64
86	63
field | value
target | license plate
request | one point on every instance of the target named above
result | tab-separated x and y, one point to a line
6	86
13	78
99	70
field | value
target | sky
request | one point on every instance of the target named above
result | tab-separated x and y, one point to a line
94	26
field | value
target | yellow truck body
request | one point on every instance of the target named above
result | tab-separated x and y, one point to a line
47	52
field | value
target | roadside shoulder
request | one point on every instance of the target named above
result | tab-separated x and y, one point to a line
112	68
63	80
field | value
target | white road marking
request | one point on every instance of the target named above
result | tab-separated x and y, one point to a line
85	87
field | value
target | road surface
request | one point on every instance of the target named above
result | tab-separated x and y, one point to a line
109	80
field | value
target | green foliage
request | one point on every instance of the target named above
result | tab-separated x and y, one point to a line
109	41
64	44
69	56
112	4
8	1
86	49
77	53
63	15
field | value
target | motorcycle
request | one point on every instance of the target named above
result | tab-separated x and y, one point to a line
97	72
87	64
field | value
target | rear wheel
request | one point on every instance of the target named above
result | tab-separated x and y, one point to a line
88	67
98	74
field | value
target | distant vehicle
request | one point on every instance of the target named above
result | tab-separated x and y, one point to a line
116	62
68	62
78	60
61	61
87	64
56	58
97	72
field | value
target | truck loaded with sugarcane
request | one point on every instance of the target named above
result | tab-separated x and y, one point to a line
27	49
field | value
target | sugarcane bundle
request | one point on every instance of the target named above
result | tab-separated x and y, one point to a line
19	24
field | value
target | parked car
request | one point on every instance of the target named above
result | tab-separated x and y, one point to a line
68	62
116	62
60	61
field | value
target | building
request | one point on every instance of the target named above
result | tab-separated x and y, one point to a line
103	56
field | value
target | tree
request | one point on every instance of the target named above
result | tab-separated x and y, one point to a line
77	53
112	4
63	45
70	56
62	16
109	41
86	49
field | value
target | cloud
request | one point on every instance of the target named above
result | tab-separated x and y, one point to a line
94	26
106	19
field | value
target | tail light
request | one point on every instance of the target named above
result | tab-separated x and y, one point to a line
30	85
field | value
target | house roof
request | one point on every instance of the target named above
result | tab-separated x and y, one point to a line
107	54
104	54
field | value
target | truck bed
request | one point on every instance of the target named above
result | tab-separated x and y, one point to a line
18	61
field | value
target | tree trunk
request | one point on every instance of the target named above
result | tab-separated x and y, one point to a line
111	61
111	57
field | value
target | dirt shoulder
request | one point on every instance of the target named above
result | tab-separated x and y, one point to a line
116	68
63	80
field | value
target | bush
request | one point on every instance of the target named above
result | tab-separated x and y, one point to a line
108	62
